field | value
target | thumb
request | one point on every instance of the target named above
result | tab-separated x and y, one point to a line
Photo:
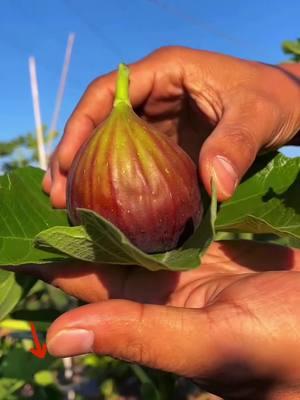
232	147
168	338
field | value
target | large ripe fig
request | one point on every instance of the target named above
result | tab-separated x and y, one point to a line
138	179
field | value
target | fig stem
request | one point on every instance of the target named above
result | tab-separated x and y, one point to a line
122	86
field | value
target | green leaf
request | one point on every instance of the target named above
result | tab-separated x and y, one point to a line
21	364
291	47
12	289
149	390
44	378
8	386
24	212
108	389
267	202
97	240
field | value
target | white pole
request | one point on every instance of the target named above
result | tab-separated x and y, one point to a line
37	113
61	90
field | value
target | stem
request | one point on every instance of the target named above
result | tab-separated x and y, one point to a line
122	86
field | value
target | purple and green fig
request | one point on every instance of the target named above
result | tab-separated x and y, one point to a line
136	178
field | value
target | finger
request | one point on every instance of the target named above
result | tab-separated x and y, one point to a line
232	147
155	336
103	281
95	282
58	185
47	181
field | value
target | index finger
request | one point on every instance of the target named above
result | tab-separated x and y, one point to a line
98	282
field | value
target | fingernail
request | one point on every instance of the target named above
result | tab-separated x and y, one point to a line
225	175
71	342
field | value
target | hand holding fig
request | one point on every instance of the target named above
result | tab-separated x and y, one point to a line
230	107
135	177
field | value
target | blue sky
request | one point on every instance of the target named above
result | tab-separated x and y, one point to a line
108	32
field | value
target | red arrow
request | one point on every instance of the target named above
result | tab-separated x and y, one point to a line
40	350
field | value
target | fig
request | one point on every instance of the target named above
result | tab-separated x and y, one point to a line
137	178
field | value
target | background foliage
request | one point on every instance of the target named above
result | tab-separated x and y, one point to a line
292	48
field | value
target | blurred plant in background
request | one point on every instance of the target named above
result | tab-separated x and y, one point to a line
22	151
23	376
293	49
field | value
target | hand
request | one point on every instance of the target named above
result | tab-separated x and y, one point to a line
233	108
233	324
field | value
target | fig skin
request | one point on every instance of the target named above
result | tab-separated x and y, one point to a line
136	178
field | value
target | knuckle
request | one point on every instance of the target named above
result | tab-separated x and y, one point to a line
68	125
168	51
266	106
62	165
137	348
93	85
269	114
103	81
53	156
52	163
242	137
136	352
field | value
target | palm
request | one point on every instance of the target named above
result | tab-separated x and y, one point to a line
225	263
247	296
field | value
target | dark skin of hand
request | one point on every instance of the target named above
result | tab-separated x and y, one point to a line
233	324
